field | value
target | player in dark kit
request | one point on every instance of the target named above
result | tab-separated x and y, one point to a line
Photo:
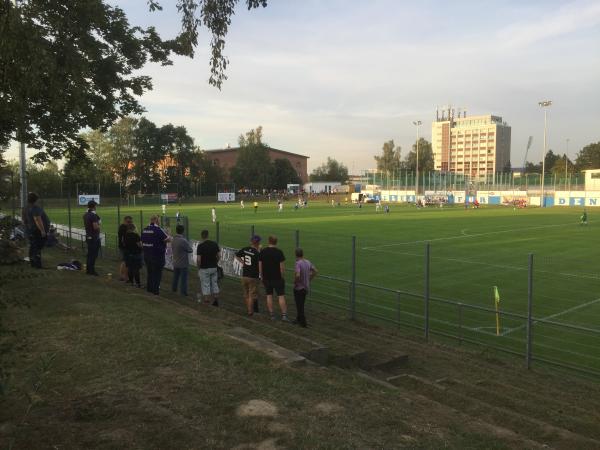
248	257
154	243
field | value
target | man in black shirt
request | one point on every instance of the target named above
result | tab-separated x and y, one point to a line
127	220
91	221
207	257
248	257
37	225
271	269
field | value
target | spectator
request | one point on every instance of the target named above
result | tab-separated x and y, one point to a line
181	261
91	221
271	269
123	271
207	254
304	272
132	250
248	256
37	225
53	240
154	243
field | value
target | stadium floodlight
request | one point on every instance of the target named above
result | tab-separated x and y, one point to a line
544	104
417	123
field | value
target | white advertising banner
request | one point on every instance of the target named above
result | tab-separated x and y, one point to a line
226	197
85	198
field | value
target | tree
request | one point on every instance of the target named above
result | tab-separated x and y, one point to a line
148	152
550	159
425	157
559	166
284	174
533	168
252	137
253	168
68	66
588	157
122	150
390	159
330	171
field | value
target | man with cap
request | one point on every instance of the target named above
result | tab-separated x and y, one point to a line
154	243
91	221
248	257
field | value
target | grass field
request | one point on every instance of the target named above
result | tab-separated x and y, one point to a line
471	251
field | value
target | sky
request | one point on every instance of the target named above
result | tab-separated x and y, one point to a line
338	78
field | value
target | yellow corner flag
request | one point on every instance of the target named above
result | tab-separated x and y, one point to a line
497	302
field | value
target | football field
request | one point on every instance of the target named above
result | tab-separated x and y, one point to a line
471	251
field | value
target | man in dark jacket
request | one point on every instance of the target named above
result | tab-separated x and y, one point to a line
91	221
37	225
154	243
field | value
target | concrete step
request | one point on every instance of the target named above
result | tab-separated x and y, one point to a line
265	346
530	427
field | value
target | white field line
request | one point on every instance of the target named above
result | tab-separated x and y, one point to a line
463	235
553	316
498	266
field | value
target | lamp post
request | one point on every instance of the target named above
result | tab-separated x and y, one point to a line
417	123
566	163
544	104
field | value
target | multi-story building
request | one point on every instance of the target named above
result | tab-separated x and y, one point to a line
474	146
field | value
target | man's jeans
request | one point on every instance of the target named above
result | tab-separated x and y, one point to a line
182	274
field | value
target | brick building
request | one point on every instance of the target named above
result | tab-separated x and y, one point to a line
227	157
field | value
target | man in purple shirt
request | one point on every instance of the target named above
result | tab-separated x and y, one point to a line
304	272
154	243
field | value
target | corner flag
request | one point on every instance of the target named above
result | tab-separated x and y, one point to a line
497	302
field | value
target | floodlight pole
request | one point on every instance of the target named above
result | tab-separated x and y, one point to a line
566	163
544	104
417	123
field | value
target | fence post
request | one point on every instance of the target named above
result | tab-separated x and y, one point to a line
297	238
426	296
353	281
529	311
141	219
217	232
69	211
252	231
118	213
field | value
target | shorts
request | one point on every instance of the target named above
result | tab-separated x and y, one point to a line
208	281
250	287
274	285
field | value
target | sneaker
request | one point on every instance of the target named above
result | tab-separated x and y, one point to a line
273	316
284	318
215	303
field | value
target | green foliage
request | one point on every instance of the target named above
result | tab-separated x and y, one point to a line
331	170
390	159
425	157
69	66
551	159
588	157
284	174
559	166
253	168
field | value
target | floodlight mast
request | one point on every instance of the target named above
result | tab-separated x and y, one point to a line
544	104
417	123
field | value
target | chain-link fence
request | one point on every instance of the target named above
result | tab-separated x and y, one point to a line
548	310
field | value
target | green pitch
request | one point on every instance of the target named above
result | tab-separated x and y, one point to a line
471	251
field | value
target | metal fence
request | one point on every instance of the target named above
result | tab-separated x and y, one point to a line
447	181
348	283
